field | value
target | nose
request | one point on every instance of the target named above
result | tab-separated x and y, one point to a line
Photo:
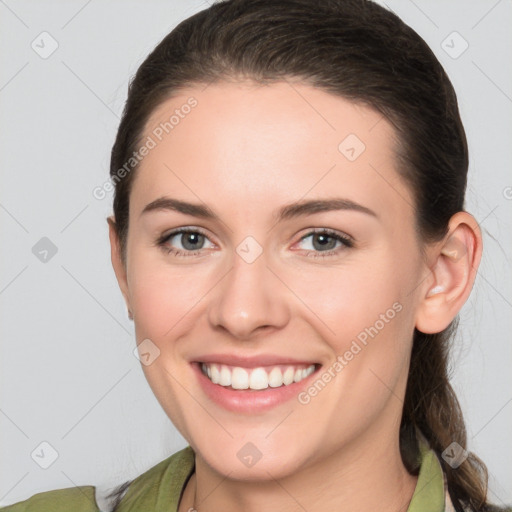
249	299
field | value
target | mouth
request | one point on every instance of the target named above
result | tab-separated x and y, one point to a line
253	389
263	377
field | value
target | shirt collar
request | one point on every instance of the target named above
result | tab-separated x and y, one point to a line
431	492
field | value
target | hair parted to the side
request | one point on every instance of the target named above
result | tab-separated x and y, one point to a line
360	51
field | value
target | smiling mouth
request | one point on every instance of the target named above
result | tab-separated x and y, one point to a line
263	377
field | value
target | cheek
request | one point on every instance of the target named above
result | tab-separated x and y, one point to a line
165	298
348	300
166	302
364	314
366	318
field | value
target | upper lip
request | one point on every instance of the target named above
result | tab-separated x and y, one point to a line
251	361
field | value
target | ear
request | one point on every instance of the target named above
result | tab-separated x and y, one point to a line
455	264
117	262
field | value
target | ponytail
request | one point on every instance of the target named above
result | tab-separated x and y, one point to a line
431	406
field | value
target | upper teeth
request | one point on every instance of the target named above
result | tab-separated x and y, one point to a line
255	378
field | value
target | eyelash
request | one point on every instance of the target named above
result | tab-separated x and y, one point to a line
344	239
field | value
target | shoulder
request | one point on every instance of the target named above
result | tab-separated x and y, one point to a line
161	483
72	499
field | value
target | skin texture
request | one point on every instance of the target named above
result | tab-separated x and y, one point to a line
245	151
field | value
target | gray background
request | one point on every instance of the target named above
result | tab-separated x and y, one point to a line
68	374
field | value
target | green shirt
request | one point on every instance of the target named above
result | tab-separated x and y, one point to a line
159	489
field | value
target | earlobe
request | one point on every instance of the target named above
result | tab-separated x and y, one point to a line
456	261
117	262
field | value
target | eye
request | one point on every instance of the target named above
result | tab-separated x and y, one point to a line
189	242
326	242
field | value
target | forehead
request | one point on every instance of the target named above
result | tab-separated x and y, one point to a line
245	144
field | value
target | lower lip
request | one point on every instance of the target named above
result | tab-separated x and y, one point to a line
250	400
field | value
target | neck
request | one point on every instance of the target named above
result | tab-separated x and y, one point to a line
368	474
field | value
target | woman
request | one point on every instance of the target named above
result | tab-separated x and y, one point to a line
289	236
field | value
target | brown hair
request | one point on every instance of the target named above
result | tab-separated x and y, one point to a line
358	50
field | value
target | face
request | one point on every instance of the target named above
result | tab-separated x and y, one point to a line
265	289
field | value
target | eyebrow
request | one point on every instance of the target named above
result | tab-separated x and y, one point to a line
287	212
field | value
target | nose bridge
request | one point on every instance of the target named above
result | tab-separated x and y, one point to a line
249	296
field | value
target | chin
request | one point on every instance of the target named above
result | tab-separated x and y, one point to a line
247	461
